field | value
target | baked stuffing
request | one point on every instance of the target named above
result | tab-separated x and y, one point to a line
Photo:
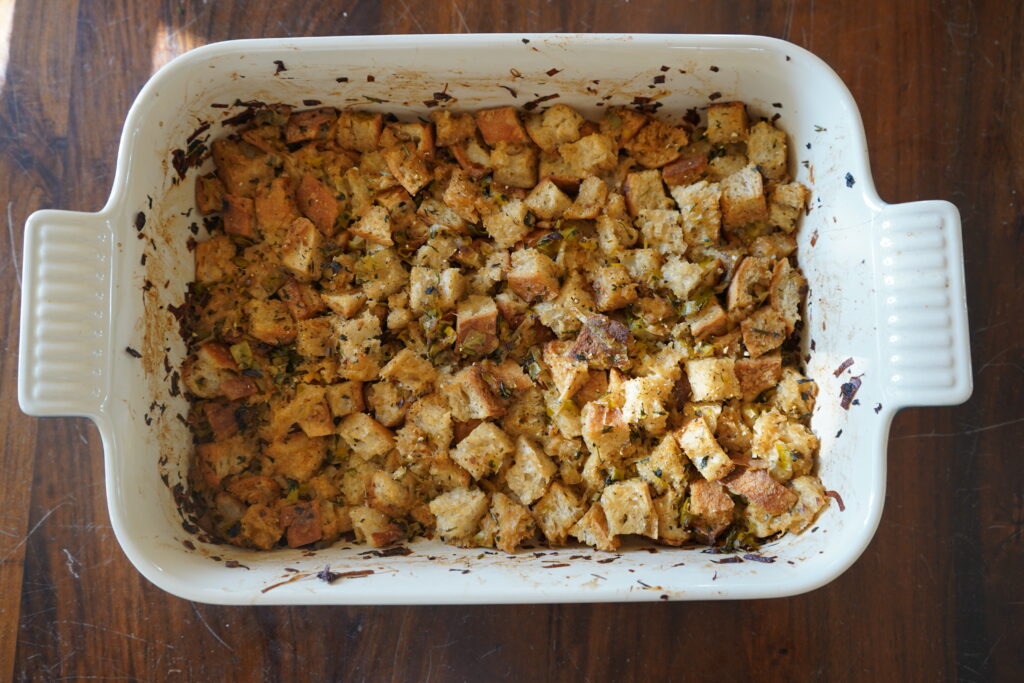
498	326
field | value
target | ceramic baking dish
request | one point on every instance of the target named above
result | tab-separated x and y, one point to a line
886	291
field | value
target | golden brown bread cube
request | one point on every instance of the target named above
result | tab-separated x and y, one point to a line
359	130
743	198
501	125
555	126
727	122
657	144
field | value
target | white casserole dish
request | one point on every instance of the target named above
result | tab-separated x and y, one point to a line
886	289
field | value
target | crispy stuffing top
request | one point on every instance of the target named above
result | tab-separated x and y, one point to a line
498	326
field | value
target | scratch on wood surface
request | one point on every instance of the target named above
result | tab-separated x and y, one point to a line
130	636
965	432
32	530
209	628
462	18
15	257
407	12
71	562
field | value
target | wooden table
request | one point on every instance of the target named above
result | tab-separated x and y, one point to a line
938	593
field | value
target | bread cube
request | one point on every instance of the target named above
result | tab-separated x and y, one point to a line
766	150
433	415
458	513
743	200
560	171
590	200
261	527
451	128
483	452
555	126
463	196
646	402
385	494
749	285
547	201
759	488
795	394
433	212
500	125
270	321
275	209
592	529
680	276
359	130
785	292
358	346
698	443
613	288
318	204
531	472
295	456
621	124
476	328
567	372
556	512
785	204
615	235
365	436
758	374
214	259
508	225
514	523
411	370
712	508
525	415
701	216
604	430
786	446
514	165
301	298
685	171
315	337
629	509
346	305
345	398
224	457
388	402
209	194
763	331
657	144
374	226
380	273
713	379
433	290
662	229
670	531
239	216
408	167
711	320
727	122
590	155
300	252
373	527
644	190
533	276
811	499
664	468
240	166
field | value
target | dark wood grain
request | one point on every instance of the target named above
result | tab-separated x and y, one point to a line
938	593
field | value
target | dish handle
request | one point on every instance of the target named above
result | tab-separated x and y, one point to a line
63	364
922	305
